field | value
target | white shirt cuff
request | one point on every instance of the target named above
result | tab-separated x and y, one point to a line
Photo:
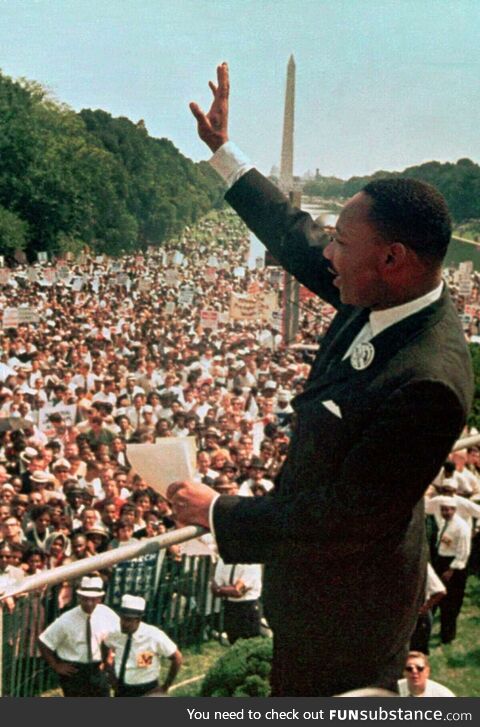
210	514
230	163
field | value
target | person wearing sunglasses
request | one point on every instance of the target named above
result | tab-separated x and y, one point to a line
416	682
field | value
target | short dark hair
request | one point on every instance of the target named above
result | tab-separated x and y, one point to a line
413	213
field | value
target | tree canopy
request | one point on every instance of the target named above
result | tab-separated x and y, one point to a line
459	183
68	179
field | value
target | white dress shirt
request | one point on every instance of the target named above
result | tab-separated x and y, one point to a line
149	644
66	636
455	542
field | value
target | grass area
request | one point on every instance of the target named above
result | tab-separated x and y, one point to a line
457	665
194	665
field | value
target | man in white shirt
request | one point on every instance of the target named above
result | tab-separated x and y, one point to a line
72	645
240	585
453	550
138	649
416	682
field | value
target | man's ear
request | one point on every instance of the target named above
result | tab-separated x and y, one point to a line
395	256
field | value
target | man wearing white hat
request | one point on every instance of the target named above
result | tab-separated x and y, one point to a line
138	649
72	644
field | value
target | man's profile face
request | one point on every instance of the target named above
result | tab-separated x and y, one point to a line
355	254
417	673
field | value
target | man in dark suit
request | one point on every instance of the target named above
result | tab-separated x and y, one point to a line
342	535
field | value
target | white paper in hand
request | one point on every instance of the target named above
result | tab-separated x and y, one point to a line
168	460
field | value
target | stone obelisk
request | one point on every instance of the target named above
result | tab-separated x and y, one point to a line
286	164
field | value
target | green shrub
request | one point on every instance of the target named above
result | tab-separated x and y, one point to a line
242	672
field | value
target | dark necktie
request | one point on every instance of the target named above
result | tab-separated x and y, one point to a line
88	637
440	535
123	665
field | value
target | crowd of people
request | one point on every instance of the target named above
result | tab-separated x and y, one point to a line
120	353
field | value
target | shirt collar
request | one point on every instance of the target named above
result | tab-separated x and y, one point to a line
382	319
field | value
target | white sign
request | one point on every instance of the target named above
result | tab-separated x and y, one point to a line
185	296
77	285
171	277
4	276
210	275
123	279
50	276
466	268
13	317
42	257
170	308
209	319
239	272
67	411
144	285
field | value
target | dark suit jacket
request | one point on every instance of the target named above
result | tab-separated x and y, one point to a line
343	534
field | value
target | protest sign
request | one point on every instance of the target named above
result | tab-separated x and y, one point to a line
171	276
50	276
42	257
185	296
243	307
144	285
13	317
210	275
67	411
209	319
4	276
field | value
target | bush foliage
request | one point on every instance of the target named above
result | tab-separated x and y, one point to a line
243	671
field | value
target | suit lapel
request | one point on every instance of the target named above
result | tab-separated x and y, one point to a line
332	368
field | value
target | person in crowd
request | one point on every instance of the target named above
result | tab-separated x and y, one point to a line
72	644
416	682
138	649
453	550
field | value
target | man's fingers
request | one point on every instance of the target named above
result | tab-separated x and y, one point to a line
198	113
223	80
213	87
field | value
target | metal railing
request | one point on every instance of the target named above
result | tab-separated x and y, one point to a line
177	595
178	599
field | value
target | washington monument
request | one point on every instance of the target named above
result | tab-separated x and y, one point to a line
286	164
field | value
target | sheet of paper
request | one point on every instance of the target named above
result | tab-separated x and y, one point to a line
168	460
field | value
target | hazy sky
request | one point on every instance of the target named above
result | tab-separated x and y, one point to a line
380	84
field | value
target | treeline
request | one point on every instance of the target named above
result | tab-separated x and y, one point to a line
69	180
459	183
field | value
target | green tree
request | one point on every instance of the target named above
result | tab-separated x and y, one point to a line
13	232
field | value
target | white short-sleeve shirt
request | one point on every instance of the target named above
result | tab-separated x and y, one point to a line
149	644
66	636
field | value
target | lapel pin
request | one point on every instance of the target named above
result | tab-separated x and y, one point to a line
362	356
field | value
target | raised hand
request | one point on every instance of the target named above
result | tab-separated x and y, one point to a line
213	126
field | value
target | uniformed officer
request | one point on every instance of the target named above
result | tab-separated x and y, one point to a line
72	644
138	648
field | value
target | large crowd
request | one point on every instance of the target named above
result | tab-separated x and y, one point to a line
144	347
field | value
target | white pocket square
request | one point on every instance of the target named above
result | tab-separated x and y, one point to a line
334	408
